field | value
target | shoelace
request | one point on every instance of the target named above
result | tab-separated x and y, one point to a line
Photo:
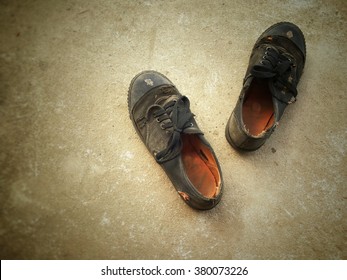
180	119
163	114
277	66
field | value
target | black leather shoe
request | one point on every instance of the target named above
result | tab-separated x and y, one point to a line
162	118
275	67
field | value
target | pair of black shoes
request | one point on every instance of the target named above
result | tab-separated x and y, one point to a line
162	117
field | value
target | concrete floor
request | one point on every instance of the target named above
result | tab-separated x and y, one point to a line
77	182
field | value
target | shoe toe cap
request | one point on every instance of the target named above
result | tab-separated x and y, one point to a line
144	82
290	31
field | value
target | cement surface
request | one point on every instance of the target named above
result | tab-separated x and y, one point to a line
78	183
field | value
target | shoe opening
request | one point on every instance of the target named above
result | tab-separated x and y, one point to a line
200	166
257	110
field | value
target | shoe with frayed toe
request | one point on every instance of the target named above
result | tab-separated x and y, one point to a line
164	122
275	67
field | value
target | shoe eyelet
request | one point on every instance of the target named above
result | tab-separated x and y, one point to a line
191	124
268	48
157	119
162	126
264	57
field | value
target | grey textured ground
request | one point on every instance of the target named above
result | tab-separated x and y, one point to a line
77	182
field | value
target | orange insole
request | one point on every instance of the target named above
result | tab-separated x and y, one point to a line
257	111
200	165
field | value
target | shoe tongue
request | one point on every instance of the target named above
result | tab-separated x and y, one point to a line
192	130
162	101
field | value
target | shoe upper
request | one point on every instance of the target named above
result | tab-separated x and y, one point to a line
162	118
270	84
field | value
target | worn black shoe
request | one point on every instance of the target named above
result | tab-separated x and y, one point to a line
275	67
162	118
